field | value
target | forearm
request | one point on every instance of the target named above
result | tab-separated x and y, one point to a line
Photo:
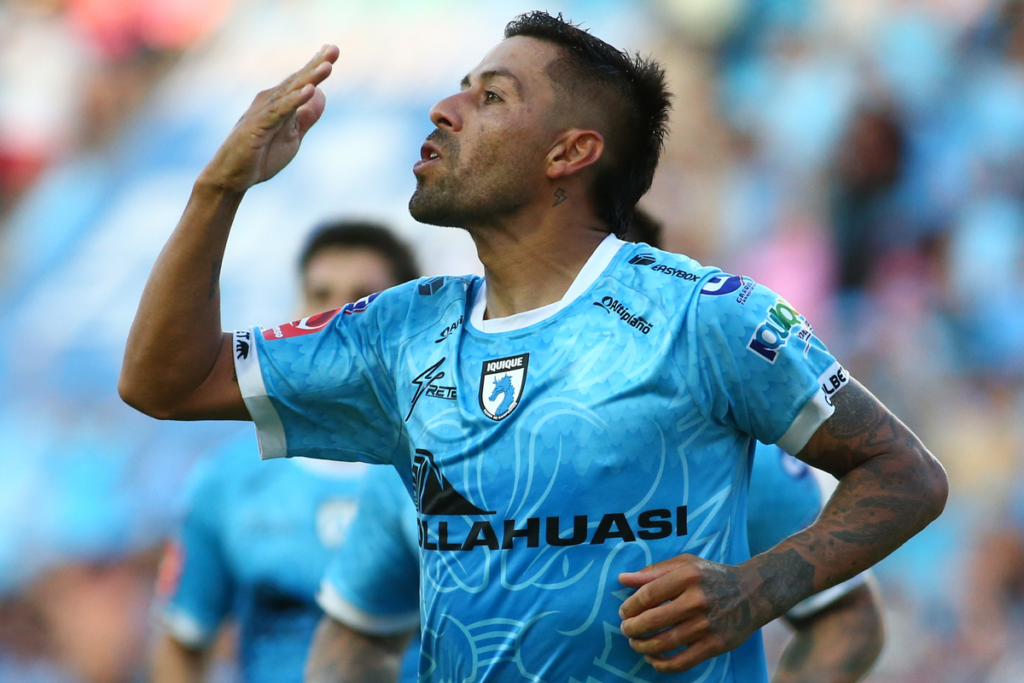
340	654
176	337
175	663
890	488
837	645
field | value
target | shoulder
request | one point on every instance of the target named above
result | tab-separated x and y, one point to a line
410	305
676	282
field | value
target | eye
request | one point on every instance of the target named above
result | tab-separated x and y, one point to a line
490	97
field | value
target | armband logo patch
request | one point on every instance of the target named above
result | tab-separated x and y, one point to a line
832	380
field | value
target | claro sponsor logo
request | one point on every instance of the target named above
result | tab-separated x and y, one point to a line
615	307
781	323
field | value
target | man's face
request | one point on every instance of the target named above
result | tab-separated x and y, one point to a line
336	276
486	158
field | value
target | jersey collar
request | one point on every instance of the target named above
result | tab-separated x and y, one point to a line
591	270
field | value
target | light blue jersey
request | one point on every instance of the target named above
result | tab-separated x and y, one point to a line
551	450
253	546
371	584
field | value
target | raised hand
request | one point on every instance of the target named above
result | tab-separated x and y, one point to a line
685	600
268	135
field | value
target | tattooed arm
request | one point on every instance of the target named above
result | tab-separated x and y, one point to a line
837	644
340	654
890	487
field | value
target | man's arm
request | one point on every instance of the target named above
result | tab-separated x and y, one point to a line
838	644
176	663
340	654
890	487
178	363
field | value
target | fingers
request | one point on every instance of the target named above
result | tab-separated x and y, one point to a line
298	89
654	571
309	113
660	590
684	633
700	651
690	603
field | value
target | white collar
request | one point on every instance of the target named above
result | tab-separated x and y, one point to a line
591	270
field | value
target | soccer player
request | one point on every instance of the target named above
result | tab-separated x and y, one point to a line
256	537
576	425
371	601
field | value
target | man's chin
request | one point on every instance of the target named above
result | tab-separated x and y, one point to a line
428	210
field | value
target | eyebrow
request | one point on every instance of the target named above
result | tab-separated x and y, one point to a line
496	73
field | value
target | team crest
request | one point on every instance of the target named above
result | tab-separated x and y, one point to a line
501	385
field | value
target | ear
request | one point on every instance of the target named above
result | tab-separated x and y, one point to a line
574	151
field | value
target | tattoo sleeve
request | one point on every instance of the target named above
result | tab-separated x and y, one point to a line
340	654
890	487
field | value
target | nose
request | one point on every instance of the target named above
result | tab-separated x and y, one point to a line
445	114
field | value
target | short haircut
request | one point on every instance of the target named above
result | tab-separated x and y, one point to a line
631	93
362	235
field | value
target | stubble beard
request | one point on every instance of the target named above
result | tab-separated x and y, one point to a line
484	190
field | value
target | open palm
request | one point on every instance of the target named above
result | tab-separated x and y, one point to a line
269	134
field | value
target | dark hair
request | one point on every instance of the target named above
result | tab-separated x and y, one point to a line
629	89
362	235
644	228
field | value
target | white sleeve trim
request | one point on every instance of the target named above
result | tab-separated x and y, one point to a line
815	411
340	609
183	627
827	597
269	428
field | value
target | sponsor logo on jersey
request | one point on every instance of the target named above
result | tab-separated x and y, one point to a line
721	285
781	323
745	292
642	260
448	330
834	379
425	386
435	496
315	323
502	381
429	287
616	307
243	344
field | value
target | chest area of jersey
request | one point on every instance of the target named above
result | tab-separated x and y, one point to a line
280	527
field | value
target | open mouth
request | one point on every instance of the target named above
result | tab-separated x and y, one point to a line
429	153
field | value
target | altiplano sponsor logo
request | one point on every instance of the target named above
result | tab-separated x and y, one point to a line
615	307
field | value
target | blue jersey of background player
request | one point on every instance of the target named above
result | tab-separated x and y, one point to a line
256	536
371	585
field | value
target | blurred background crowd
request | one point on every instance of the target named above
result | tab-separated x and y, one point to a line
865	159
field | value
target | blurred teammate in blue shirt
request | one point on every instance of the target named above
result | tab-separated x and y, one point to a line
256	537
577	425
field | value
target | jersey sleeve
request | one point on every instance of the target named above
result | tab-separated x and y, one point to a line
319	387
372	581
194	589
754	363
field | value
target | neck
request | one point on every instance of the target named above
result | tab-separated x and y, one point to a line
531	261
